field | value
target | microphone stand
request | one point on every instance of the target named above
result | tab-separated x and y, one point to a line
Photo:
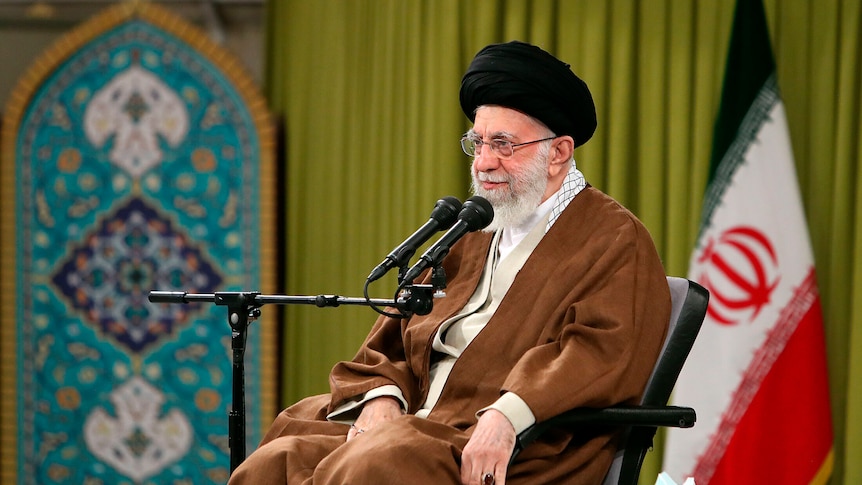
243	307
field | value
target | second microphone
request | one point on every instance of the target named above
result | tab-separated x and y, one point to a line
476	214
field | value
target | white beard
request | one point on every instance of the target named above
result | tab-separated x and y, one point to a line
522	194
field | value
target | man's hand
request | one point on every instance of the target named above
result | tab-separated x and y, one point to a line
374	412
488	450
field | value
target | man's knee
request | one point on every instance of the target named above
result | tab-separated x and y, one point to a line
285	459
267	465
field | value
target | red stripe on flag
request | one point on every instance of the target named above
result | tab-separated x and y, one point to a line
785	435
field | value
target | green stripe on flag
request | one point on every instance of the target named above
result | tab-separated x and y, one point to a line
749	65
734	155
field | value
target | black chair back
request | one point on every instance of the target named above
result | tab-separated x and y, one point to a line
688	309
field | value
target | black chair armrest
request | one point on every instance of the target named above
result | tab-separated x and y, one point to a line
640	416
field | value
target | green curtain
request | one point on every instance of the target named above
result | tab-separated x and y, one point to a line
368	92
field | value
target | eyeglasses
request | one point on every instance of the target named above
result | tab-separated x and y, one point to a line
501	147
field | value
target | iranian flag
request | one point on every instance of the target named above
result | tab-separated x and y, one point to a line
757	374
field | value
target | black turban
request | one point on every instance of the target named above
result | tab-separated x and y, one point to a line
526	78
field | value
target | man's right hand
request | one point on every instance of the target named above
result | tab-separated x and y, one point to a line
374	412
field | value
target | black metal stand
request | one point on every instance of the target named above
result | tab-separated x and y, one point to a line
244	307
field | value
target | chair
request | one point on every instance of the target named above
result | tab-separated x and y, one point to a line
688	310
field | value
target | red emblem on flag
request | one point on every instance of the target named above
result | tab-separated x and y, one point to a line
740	271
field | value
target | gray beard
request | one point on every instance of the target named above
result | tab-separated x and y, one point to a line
513	205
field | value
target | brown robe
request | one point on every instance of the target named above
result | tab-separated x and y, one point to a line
581	325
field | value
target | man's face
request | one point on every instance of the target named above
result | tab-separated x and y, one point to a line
514	186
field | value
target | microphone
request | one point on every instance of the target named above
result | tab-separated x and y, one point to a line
476	214
445	214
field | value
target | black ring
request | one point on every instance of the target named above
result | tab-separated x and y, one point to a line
488	479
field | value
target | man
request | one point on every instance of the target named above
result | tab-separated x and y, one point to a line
562	302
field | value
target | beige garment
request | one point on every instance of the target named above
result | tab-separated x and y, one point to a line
456	333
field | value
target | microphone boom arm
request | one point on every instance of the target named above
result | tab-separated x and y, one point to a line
258	300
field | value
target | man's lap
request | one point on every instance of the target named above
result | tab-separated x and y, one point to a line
301	445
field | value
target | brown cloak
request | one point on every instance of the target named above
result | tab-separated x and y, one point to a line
581	325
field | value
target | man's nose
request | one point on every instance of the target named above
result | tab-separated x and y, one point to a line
485	159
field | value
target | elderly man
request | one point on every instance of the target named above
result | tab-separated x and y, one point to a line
562	302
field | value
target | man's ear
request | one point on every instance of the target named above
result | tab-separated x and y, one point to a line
561	152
